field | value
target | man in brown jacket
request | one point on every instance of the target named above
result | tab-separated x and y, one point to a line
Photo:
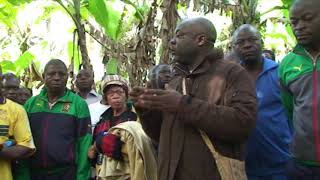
220	101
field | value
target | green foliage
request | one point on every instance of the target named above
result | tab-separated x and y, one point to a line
9	9
287	3
8	13
48	10
8	66
18	2
104	13
73	52
112	66
23	62
19	65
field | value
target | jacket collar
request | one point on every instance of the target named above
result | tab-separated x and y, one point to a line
94	93
64	98
300	50
203	66
268	65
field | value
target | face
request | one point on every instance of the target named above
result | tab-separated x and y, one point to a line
184	44
55	77
247	45
84	80
305	22
116	97
164	74
24	95
11	88
161	77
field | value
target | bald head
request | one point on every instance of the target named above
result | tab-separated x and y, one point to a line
245	28
246	43
201	25
194	38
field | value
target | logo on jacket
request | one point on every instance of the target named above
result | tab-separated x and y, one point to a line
298	68
66	107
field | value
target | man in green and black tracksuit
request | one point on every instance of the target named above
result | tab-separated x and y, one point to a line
60	123
300	79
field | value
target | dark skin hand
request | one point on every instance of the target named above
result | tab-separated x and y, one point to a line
156	99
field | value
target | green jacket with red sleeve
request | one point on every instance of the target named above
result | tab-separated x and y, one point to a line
299	78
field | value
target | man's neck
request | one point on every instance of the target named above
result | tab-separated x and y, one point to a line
53	96
197	60
314	51
254	68
253	65
84	93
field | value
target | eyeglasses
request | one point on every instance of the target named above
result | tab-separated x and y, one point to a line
113	92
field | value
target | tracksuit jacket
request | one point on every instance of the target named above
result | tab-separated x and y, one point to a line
268	145
299	78
62	134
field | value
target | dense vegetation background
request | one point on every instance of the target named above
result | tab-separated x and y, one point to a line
126	37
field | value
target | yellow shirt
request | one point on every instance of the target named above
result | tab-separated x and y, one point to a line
14	123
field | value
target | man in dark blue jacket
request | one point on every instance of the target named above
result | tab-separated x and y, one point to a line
267	151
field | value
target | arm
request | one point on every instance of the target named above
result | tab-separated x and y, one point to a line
232	122
15	152
22	135
286	95
287	101
150	120
84	140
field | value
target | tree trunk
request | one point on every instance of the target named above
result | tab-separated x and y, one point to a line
81	36
169	22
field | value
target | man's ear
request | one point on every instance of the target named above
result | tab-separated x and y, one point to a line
202	39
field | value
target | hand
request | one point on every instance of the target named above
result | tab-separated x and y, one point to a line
162	100
92	151
136	93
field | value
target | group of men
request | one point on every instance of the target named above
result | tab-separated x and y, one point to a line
254	110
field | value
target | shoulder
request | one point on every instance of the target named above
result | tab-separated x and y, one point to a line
14	107
32	99
288	59
228	69
80	106
34	104
76	99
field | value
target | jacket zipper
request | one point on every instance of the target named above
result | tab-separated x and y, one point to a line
315	123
